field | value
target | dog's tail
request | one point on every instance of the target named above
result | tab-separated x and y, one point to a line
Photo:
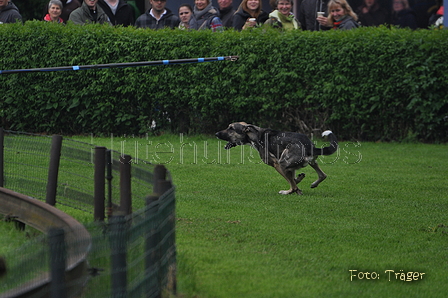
330	149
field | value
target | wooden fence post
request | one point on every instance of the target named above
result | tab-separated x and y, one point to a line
159	176
53	169
56	239
152	250
109	178
162	186
152	262
118	245
2	156
125	184
99	183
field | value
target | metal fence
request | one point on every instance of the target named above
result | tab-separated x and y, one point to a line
130	209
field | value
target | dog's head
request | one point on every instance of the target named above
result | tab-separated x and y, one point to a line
236	134
253	133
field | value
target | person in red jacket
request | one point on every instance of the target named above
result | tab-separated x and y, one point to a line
67	7
340	16
54	12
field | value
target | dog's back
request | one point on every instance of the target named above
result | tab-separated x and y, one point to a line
278	141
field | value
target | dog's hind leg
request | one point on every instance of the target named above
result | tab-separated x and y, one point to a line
319	172
299	178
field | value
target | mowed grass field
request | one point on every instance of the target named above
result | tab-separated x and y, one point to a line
381	213
376	227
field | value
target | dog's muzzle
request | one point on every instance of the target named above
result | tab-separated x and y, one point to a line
223	136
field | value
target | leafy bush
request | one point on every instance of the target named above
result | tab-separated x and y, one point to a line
369	83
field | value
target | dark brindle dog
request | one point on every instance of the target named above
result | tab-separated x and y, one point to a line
285	151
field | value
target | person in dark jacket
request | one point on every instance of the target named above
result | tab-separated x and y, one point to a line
370	13
9	13
205	16
118	11
249	9
402	15
158	17
308	14
341	15
226	12
89	12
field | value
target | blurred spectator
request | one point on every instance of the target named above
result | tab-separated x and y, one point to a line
423	10
67	7
436	15
341	15
54	12
370	13
205	16
226	12
118	11
185	14
283	17
402	15
157	17
89	12
308	14
135	7
9	13
249	9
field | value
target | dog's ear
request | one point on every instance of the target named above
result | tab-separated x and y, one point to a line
249	128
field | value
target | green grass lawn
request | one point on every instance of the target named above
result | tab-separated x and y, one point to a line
11	237
383	207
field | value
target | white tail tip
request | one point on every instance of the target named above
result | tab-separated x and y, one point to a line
326	133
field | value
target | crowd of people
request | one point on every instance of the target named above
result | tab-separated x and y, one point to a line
313	15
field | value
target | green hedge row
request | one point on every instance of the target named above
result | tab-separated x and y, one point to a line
366	84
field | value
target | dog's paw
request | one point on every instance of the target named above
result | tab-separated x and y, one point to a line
290	191
318	181
230	145
299	177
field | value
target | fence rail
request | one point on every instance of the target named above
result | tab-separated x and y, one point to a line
42	217
128	247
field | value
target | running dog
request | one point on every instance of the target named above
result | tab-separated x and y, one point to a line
285	151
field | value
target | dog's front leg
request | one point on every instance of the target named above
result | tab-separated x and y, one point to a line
292	182
289	176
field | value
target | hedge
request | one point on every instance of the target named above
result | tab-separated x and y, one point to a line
365	84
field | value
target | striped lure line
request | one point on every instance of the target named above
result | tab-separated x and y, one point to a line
122	65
